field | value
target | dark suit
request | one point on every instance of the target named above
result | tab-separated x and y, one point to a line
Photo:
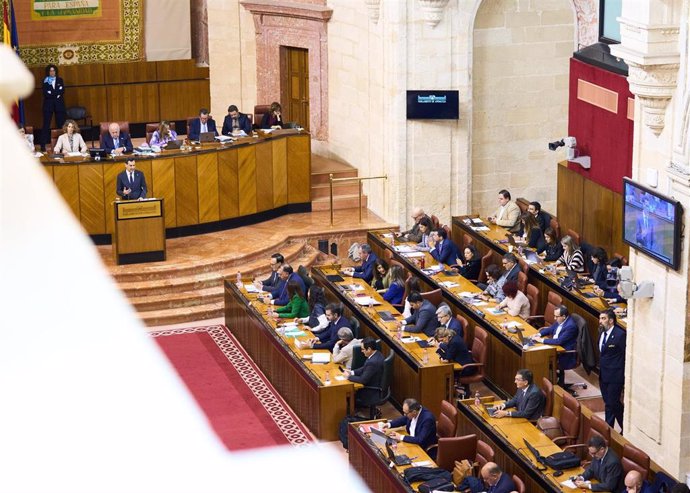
283	298
471	269
53	102
329	336
607	470
138	185
536	240
445	252
553	252
269	120
612	374
543	220
425	429
512	274
271	281
366	270
529	404
195	128
423	320
456	350
108	143
454	324
369	375
505	484
644	233
242	121
567	339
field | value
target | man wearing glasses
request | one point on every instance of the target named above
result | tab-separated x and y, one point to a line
563	332
528	400
605	467
419	423
413	234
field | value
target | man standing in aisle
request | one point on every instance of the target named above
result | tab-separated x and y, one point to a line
611	366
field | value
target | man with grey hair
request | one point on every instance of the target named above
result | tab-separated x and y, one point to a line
413	234
344	348
445	318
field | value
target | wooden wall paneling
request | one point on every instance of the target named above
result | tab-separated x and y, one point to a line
118	73
246	172
66	177
280	171
133	102
617	245
91	74
597	215
49	170
569	199
110	172
299	169
180	70
207	172
163	186
186	191
264	176
92	212
228	184
33	111
93	98
197	95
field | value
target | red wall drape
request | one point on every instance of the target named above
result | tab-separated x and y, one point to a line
601	134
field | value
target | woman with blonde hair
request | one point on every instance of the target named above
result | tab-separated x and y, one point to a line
572	258
163	135
71	140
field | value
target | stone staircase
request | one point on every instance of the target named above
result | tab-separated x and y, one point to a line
345	195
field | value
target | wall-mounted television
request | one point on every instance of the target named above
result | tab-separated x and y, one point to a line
652	223
433	105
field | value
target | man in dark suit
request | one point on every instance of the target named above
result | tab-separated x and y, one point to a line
419	423
605	468
366	270
369	374
635	483
201	125
235	121
131	183
528	400
277	261
511	268
496	481
116	141
443	249
563	332
612	366
413	234
445	318
327	338
543	219
646	225
279	295
423	319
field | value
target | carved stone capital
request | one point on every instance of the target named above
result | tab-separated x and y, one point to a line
433	10
374	8
653	85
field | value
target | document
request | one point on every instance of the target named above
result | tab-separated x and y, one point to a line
413	254
449	284
321	357
480	228
225	138
410	340
405	248
511	325
366	301
250	288
496	311
569	483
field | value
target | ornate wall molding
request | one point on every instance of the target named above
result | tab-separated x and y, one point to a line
654	86
374	9
433	11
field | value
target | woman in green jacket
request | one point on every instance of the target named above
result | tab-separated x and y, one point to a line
297	306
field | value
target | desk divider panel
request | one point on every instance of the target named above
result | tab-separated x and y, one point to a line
91	197
246	171
280	172
163	187
264	176
186	191
207	173
66	177
228	180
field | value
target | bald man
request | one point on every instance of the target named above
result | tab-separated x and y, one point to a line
116	141
635	483
414	234
496	481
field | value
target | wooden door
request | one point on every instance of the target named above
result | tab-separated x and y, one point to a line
294	84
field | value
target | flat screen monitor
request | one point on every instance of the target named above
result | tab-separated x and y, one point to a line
652	223
433	105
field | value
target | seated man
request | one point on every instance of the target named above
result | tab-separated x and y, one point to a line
605	468
279	295
413	234
276	262
327	338
366	270
543	219
508	212
443	249
511	268
528	400
202	125
496	480
635	483
115	141
424	317
344	347
419	423
563	333
235	121
369	375
445	318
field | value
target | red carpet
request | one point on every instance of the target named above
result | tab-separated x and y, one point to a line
244	409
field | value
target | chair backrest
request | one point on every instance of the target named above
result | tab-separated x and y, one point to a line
465	329
574	235
354	325
486	260
532	293
519	484
447	422
386	377
190	119
124	127
547	391
446	228
522	203
152	127
634	459
571	414
55	133
553	300
484	454
387	255
556	227
522	282
435	296
624	260
77	113
435	222
259	111
480	348
524	266
581	324
467	240
358	358
598	426
451	449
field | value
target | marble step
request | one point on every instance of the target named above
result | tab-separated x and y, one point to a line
339	202
181	299
339	189
183	314
323	178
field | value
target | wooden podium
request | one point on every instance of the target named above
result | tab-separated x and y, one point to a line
139	231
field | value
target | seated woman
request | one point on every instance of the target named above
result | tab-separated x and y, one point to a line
381	279
532	234
28	138
396	290
344	348
554	249
297	307
599	271
425	227
316	319
273	119
572	258
471	266
609	288
71	140
493	283
452	348
414	285
515	302
163	135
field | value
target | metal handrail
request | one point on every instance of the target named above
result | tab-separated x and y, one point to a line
357	179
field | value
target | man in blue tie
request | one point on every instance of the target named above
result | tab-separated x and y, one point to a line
131	183
116	141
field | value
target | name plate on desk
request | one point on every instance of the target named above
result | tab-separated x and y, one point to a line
138	209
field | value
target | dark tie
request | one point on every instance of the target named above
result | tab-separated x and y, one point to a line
131	178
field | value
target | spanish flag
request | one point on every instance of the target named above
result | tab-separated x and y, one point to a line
9	37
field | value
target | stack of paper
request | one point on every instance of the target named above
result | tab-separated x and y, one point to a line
250	288
404	248
366	301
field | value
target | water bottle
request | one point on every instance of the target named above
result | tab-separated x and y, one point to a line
239	278
400	332
425	356
327	378
477	399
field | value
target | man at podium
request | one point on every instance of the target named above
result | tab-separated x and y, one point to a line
131	183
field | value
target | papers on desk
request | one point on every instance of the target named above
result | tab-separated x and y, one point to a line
250	288
477	220
74	154
569	483
340	378
511	325
413	254
405	249
480	228
366	301
448	284
321	358
223	139
496	311
433	269
409	340
294	332
423	463
352	287
388	235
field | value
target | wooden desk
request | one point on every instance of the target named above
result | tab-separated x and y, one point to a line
373	466
429	381
506	355
213	187
302	384
506	436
